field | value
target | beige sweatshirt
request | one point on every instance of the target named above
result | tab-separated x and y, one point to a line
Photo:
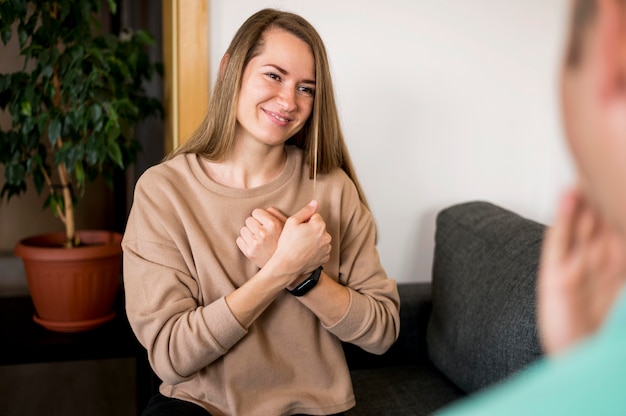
181	260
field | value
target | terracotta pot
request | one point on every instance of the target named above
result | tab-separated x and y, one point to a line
72	289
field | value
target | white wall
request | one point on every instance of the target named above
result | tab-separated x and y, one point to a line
441	102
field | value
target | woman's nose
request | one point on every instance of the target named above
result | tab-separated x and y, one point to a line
286	98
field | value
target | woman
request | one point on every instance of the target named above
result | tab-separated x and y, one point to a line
232	283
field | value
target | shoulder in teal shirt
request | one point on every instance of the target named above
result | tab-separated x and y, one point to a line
589	379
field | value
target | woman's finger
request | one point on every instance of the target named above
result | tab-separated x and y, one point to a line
277	214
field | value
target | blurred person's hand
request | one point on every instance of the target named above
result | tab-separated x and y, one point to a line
583	268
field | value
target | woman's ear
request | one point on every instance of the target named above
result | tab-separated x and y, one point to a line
223	64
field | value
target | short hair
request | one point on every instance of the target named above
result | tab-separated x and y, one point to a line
583	13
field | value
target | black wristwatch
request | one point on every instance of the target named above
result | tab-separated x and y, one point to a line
308	284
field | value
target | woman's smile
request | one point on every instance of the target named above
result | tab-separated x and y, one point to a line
277	118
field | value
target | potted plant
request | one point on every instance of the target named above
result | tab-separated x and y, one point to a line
73	109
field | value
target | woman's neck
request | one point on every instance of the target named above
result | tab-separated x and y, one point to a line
245	168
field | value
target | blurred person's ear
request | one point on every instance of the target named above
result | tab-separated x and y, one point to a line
610	52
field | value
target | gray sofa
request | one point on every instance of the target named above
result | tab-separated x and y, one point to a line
471	327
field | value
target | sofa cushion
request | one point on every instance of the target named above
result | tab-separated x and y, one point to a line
407	390
483	325
402	381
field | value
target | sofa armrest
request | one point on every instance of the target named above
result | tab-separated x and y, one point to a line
410	348
483	326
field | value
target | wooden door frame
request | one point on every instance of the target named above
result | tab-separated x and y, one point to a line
186	68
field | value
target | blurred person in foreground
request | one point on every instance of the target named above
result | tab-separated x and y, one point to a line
581	298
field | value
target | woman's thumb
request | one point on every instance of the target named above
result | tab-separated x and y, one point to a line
306	212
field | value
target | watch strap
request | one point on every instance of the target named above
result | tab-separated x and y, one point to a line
308	284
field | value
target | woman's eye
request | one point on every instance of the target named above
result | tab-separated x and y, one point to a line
307	90
273	76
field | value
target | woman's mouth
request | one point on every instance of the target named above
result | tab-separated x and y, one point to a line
277	118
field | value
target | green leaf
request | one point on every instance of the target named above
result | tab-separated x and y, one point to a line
144	37
74	154
14	174
114	152
5	81
25	109
31	95
54	202
6	35
22	35
54	131
33	164
112	6
28	125
38	180
79	172
95	115
9	190
47	71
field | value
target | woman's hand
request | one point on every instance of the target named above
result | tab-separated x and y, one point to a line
259	237
301	247
302	238
304	243
583	264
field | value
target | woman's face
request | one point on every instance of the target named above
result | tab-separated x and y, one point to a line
277	90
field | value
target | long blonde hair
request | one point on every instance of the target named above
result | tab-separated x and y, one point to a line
215	135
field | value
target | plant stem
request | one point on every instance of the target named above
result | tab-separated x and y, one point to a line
57	208
70	227
67	217
64	177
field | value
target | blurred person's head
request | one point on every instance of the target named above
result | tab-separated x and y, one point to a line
593	102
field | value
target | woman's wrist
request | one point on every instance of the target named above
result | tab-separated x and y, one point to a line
301	279
280	273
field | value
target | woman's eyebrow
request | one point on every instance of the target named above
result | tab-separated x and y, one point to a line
285	72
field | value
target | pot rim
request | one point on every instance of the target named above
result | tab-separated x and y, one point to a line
48	246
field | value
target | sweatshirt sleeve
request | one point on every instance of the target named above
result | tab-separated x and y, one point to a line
372	320
162	293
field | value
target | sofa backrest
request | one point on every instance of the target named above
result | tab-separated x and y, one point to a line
483	322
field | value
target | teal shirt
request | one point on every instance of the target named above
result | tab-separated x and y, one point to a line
589	379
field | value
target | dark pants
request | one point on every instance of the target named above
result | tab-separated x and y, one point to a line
160	405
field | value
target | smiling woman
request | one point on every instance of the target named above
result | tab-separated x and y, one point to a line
240	286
